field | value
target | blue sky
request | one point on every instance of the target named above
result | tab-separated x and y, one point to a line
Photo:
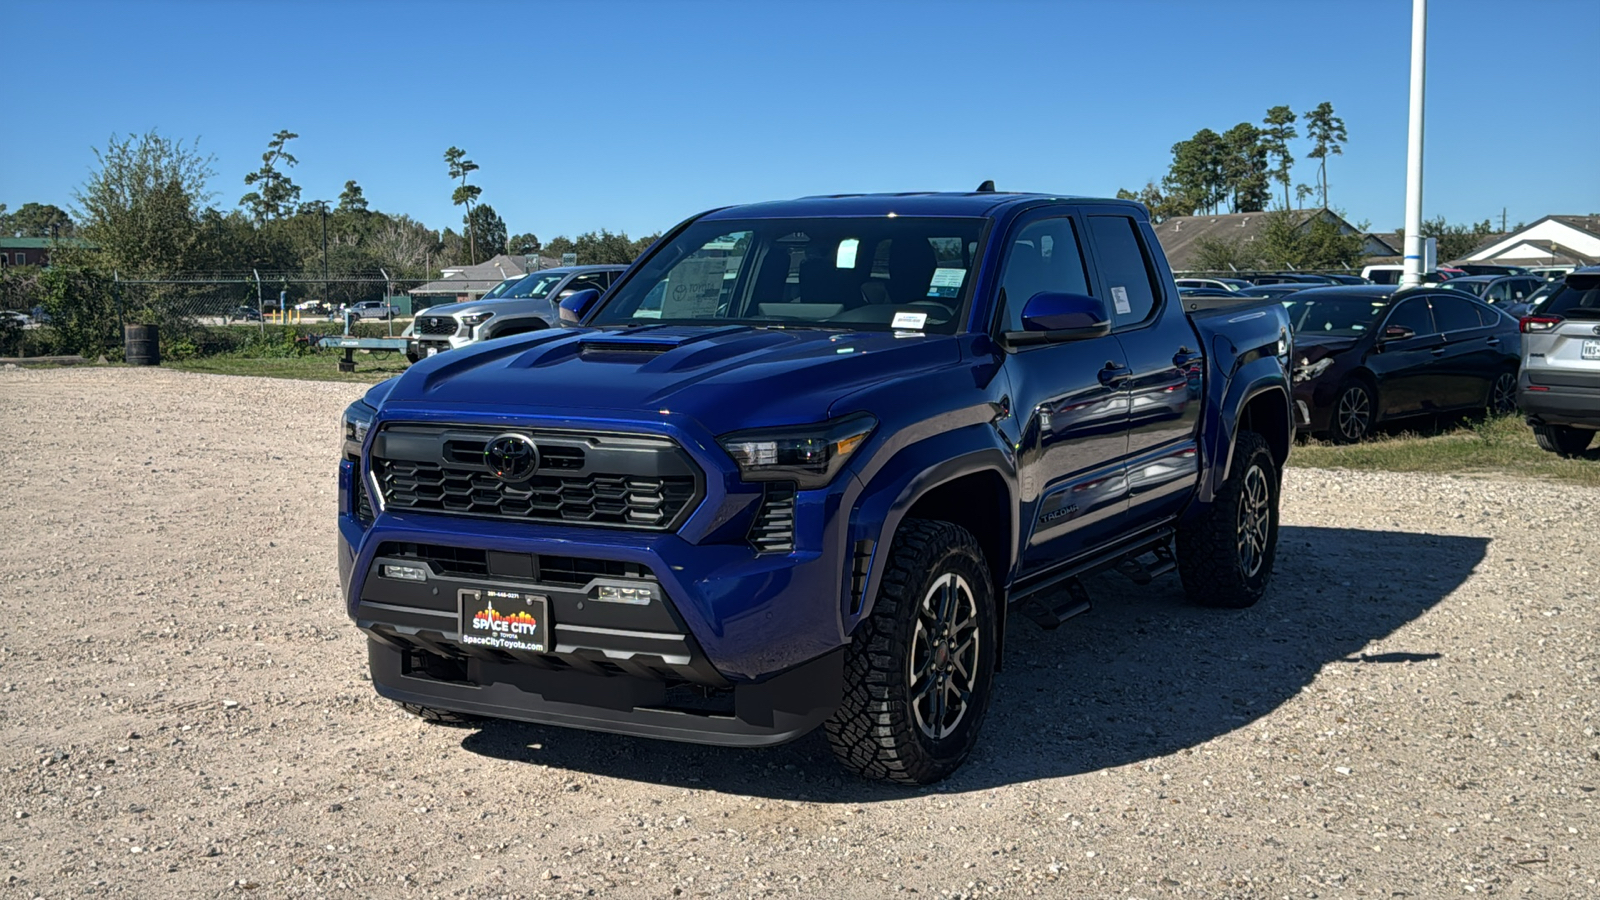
634	115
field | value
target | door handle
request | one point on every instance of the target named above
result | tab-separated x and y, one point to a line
1437	351
1494	342
1114	375
1184	357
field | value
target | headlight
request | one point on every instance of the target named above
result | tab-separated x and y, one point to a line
355	423
809	455
1309	370
473	319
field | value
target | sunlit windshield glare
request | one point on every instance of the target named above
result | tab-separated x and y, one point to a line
534	286
1340	317
866	274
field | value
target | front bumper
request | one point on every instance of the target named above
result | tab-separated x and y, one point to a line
1313	406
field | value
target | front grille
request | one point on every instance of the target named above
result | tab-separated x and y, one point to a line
568	571
616	481
436	325
773	529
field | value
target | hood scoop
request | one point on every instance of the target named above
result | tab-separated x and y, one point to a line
641	344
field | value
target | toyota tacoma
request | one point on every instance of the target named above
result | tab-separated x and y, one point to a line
798	467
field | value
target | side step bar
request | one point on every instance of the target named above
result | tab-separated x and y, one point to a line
1060	595
1050	609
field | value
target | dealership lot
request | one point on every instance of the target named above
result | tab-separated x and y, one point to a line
1410	712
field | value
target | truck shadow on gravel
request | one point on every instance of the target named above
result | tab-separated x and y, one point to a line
1142	675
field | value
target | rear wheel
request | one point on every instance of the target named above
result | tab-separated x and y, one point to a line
1225	559
919	668
1353	413
1563	440
1503	394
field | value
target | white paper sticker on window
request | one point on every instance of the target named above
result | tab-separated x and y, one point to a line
1119	299
846	258
912	320
694	288
946	282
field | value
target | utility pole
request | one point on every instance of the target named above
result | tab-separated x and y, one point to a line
325	297
1411	275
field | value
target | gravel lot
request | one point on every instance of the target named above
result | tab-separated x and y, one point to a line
184	710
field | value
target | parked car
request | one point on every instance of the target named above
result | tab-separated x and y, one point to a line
1341	278
1551	273
1559	388
372	309
1275	291
242	314
1370	354
808	488
528	305
1507	292
1289	278
1491	269
22	319
1225	284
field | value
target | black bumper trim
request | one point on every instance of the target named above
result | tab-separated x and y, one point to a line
780	709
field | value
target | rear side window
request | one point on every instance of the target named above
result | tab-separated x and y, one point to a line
1578	298
1413	314
1452	314
1125	269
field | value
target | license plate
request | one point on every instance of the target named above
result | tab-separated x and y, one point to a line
1591	349
504	620
433	351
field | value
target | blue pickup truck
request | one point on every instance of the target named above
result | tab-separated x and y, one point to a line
798	467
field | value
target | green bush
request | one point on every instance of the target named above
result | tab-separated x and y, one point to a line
83	310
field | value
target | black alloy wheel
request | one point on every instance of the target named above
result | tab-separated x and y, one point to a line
1353	414
1503	394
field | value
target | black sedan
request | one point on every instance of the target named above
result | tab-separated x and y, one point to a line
1366	354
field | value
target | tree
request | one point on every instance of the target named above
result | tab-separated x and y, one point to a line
403	245
464	194
141	205
487	228
1454	241
1275	138
1197	179
1301	192
524	243
277	195
1221	255
1245	168
351	199
38	220
1161	206
1296	240
601	247
1327	135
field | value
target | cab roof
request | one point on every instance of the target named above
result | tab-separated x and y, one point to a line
969	204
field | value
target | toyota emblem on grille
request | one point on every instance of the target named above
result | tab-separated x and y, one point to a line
511	457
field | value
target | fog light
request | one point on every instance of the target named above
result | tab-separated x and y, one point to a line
613	593
406	573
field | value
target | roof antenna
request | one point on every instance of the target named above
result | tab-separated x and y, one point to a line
987	187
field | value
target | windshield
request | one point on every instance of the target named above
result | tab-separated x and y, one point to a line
1475	288
1578	297
859	274
501	288
537	286
1347	317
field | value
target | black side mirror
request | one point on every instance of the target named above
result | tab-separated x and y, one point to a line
1050	318
577	304
1398	332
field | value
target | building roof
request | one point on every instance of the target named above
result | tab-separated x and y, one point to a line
481	278
38	243
1180	236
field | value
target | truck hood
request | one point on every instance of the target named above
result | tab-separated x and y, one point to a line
725	378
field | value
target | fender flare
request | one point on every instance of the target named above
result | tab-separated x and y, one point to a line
1254	379
904	479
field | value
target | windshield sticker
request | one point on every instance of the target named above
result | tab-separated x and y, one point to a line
1119	299
693	289
846	257
911	320
946	282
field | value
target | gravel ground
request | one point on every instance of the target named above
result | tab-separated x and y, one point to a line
184	709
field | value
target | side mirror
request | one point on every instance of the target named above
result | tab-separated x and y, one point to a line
576	305
1398	333
1049	318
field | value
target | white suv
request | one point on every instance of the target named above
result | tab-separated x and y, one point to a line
1559	388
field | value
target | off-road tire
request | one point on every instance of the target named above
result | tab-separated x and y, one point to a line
440	716
1212	560
1562	440
1359	393
875	732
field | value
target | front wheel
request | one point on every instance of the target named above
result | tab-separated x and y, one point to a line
1225	559
919	668
1562	440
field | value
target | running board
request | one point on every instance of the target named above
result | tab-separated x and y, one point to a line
1050	609
1139	573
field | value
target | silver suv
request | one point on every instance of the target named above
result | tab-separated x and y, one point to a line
529	305
1559	388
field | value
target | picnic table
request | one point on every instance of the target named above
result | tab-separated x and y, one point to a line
351	344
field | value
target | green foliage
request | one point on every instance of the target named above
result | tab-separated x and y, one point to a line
1221	255
1328	136
276	195
40	220
1197	179
1454	241
1297	240
1245	168
487	229
351	200
601	248
465	194
524	243
11	334
82	306
1275	138
141	206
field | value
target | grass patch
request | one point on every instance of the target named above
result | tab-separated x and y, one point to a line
323	366
1495	446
